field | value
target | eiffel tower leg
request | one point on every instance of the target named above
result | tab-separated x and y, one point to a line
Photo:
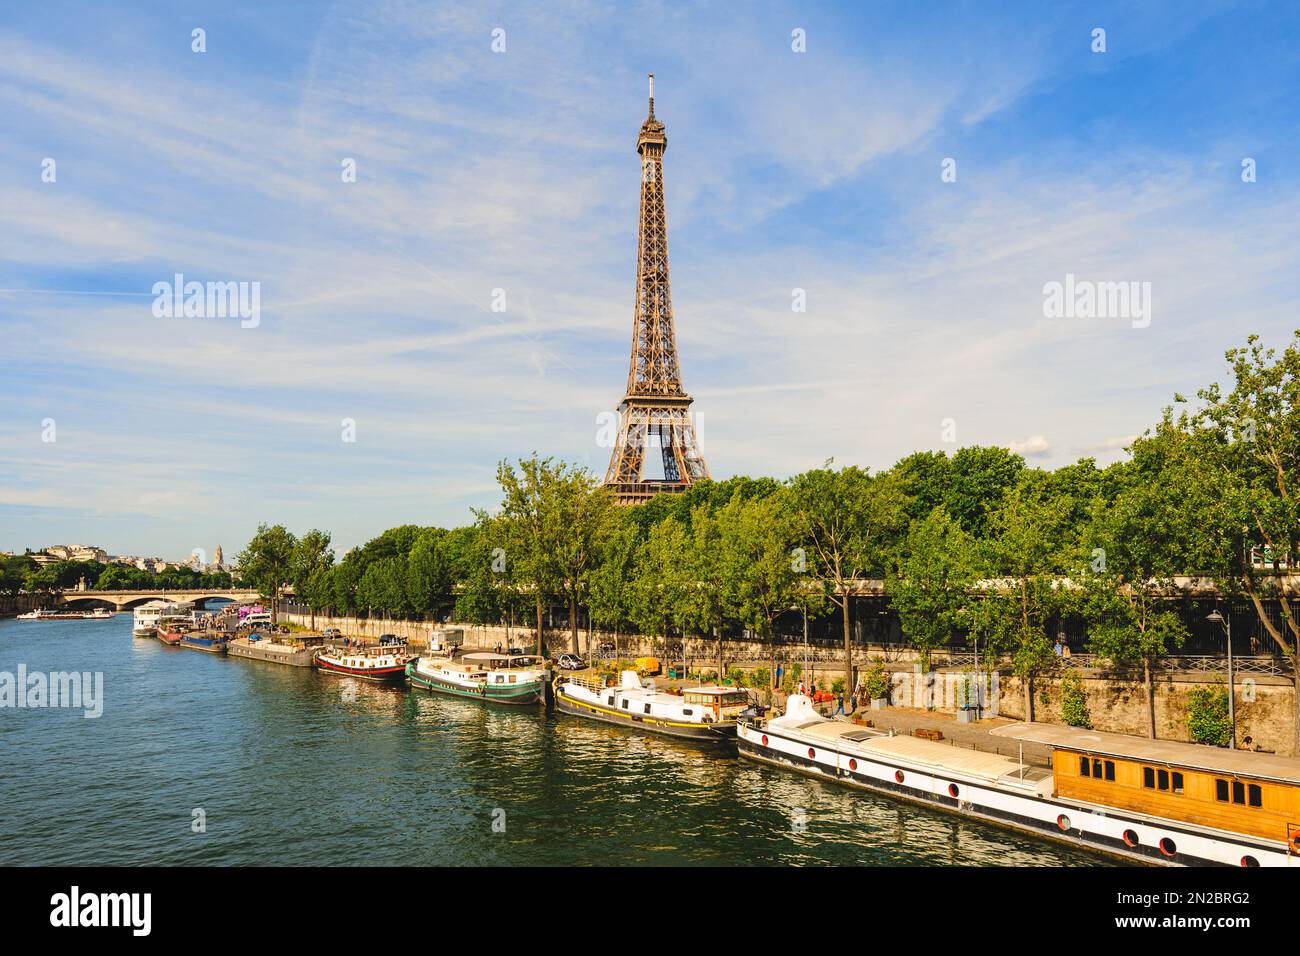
626	461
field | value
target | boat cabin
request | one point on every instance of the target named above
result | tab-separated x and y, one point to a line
725	703
1240	791
498	668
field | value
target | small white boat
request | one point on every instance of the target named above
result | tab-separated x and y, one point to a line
697	713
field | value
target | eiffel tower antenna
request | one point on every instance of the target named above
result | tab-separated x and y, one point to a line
655	411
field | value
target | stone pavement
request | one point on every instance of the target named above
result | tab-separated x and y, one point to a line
972	736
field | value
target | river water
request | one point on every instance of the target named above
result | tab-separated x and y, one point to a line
284	765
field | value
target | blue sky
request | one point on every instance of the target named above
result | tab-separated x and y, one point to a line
479	171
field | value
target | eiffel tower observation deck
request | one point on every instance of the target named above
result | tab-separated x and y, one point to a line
655	411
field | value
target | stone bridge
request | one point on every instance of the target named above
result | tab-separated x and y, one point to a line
125	600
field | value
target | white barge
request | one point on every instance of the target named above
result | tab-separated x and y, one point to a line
1158	802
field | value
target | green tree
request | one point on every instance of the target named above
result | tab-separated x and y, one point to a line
1023	563
848	522
929	585
267	562
1130	572
312	558
1246	447
532	518
586	521
761	577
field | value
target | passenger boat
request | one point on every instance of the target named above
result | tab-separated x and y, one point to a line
49	614
502	678
383	663
214	642
698	713
1156	801
144	621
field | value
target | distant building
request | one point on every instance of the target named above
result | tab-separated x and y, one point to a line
216	559
71	552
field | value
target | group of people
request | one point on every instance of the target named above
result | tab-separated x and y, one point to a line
808	690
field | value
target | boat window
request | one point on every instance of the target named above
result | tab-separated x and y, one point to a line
625	705
647	708
1096	768
1084	767
1221	790
1238	792
687	712
1256	796
1149	778
611	701
1178	781
1163	776
1110	770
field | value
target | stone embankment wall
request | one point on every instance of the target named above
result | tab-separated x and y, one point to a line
1265	705
15	604
1265	708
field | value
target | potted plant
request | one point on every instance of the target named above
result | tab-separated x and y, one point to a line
875	684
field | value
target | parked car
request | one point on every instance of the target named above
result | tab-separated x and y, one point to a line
332	634
389	639
571	662
607	649
516	652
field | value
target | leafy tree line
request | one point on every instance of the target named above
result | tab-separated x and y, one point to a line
21	573
975	546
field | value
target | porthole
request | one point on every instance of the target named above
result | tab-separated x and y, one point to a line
898	775
1249	861
811	753
765	740
953	791
1168	847
1063	822
1131	837
853	764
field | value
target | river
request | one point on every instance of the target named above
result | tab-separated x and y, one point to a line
201	759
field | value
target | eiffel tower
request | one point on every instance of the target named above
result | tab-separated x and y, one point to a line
655	411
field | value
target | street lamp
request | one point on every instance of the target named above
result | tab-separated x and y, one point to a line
1219	619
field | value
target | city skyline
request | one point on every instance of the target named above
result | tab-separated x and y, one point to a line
824	172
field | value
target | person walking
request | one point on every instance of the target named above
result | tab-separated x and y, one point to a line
839	702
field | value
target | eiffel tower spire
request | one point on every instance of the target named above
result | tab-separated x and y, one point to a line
655	410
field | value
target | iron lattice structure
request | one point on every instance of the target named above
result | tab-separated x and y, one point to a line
656	409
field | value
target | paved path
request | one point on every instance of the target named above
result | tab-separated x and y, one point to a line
972	736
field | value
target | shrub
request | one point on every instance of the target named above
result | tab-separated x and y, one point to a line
760	677
1074	702
875	680
1207	715
837	685
790	680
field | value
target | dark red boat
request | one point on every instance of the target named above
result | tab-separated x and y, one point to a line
382	663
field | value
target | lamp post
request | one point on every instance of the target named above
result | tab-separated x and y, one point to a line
1219	619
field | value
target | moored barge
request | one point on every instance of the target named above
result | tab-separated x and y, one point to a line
698	713
1159	802
381	663
499	678
214	642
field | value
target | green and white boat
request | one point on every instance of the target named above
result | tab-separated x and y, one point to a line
502	678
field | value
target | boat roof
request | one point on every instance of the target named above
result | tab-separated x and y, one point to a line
978	764
489	656
713	689
1237	763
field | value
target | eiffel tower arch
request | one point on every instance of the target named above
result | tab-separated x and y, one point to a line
655	410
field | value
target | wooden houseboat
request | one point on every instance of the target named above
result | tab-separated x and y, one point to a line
382	663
